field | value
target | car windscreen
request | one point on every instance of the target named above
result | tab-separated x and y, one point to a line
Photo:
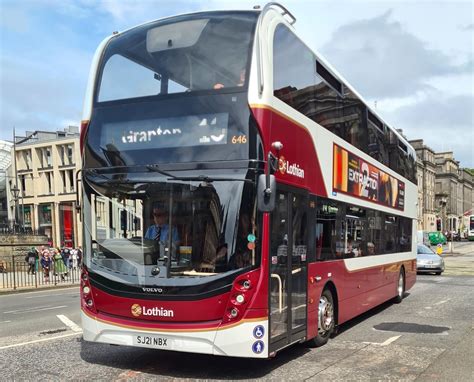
424	250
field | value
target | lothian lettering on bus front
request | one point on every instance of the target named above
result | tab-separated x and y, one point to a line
146	136
291	169
138	311
159	312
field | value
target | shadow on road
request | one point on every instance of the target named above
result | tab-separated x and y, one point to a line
185	365
364	316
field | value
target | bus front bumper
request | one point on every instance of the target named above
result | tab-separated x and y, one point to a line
237	340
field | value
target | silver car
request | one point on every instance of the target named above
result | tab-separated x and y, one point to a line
427	261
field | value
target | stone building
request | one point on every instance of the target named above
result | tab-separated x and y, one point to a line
445	190
43	169
426	169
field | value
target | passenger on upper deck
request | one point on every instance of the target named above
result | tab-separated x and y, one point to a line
241	81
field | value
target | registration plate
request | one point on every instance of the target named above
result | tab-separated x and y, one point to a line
151	341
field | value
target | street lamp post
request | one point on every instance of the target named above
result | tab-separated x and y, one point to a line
15	192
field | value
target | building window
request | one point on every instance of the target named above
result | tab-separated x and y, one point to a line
22	184
45	220
63	181
49	182
62	155
70	153
66	222
27	159
71	180
26	214
48	156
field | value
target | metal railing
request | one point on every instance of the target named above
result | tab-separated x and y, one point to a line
17	229
16	273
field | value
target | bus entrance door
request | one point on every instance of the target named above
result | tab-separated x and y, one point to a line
288	270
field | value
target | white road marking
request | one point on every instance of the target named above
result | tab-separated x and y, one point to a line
442	302
66	321
4	322
36	341
36	292
35	309
385	343
59	294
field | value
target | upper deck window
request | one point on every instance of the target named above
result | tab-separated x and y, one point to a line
200	52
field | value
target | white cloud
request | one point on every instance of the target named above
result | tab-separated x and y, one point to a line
445	123
383	60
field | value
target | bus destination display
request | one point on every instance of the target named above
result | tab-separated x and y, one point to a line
185	131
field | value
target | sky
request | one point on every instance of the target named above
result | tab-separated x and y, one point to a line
411	60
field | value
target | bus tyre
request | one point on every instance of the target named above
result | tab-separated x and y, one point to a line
326	320
400	287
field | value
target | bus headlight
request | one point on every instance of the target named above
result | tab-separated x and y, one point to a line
240	298
86	290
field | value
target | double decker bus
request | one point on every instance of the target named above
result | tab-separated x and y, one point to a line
238	196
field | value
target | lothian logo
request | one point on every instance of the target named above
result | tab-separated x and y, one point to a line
138	310
291	169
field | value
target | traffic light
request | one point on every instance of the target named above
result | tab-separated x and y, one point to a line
438	224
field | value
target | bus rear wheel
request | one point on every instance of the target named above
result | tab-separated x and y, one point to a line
400	287
326	320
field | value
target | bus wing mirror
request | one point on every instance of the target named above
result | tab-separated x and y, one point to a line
266	191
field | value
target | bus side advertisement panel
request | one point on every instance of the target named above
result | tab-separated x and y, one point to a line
355	177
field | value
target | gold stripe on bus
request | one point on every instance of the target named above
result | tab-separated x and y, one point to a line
174	330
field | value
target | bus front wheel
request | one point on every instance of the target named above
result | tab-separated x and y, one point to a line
326	319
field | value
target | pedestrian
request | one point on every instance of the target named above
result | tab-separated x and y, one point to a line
74	259
59	266
79	256
31	260
45	264
65	256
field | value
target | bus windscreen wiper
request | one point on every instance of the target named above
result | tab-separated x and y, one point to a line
155	168
208	179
